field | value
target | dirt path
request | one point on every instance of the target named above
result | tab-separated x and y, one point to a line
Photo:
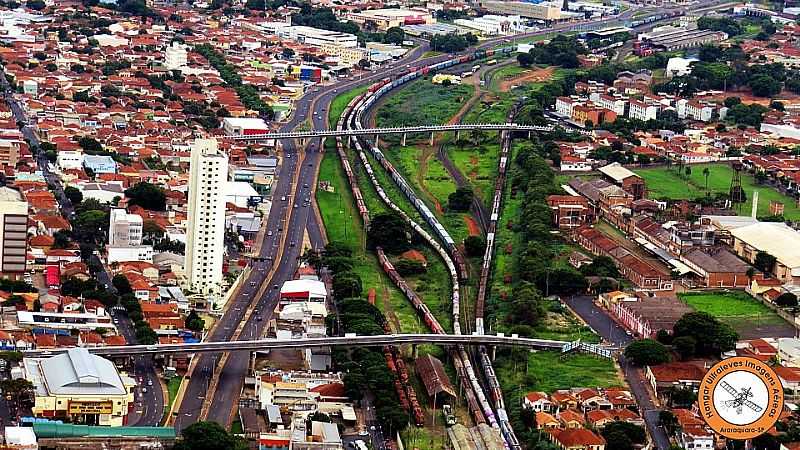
427	152
388	310
472	226
534	76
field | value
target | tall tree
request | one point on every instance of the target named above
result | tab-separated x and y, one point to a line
389	231
712	336
74	195
647	352
148	196
209	436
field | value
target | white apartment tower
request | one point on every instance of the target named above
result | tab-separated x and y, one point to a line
206	228
124	230
175	56
13	233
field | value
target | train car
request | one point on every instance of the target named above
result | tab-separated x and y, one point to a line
476	399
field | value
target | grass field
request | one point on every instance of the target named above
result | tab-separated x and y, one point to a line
735	308
665	183
340	103
422	103
545	371
172	388
433	184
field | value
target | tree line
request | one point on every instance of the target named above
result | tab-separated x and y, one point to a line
364	369
247	93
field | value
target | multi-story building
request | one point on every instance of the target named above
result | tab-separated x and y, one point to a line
694	109
316	36
206	224
175	56
348	56
69	159
383	19
565	105
569	211
610	102
13	233
10	150
135	253
124	230
490	25
642	111
592	114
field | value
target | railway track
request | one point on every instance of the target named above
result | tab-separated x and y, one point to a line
481	408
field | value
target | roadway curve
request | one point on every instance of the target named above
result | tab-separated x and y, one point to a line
264	276
479	209
262	279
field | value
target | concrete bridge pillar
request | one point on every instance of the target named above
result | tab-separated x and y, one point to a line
492	352
458	135
302	142
252	362
529	134
377	138
414	352
403	140
349	141
432	134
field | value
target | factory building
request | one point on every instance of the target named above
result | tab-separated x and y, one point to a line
547	11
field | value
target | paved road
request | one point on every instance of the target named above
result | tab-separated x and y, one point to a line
233	372
315	105
232	375
149	407
600	321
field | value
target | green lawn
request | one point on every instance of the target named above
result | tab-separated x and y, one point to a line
340	103
434	186
665	183
343	224
735	308
422	103
236	427
173	384
546	371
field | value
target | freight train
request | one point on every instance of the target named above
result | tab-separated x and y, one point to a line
478	405
464	368
656	18
352	116
486	267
